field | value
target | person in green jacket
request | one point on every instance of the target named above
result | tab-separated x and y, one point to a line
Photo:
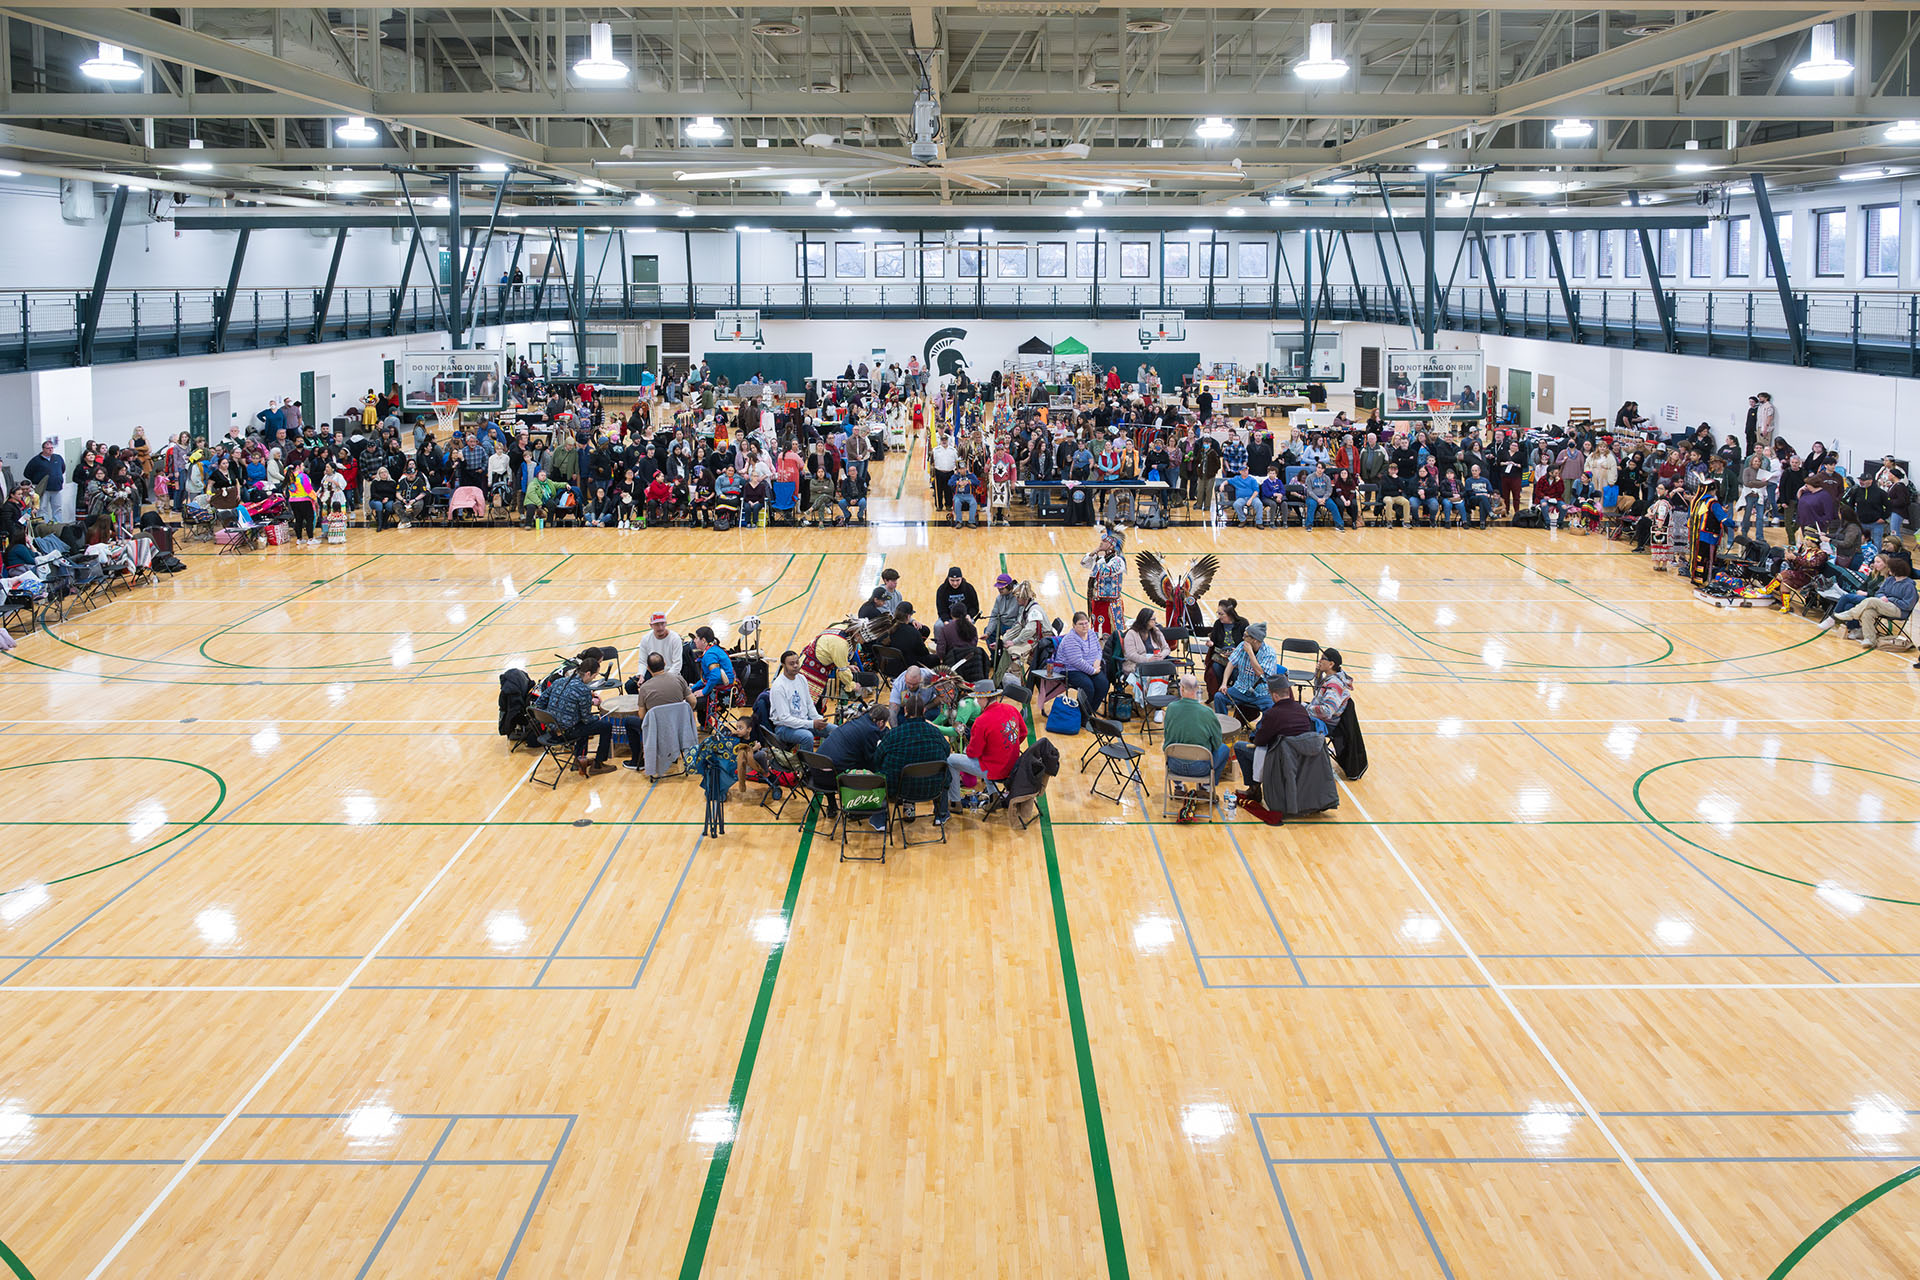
1193	722
543	497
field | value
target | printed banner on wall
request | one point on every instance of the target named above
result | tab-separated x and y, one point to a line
1422	384
474	378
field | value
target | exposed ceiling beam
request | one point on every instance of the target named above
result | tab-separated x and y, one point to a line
428	111
1623	64
174	43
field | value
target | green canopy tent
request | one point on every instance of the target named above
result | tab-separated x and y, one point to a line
1071	347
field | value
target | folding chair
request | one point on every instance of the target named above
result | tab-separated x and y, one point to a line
901	814
1310	649
819	775
1190	790
891	663
1117	756
1179	640
783	498
555	744
1153	703
1885	628
863	796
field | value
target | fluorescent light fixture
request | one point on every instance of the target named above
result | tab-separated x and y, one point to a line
1824	64
196	165
1572	130
111	65
584	188
684	211
800	186
866	231
1278	202
843	212
706	129
1236	212
600	66
1868	175
763	142
491	166
131	184
743	227
1211	128
1692	166
1740	189
1199	231
1456	201
1335	188
1431	166
1073	211
9	173
1320	64
1093	200
1903	131
1156	143
355	129
826	201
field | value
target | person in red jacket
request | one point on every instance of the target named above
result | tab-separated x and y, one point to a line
659	500
994	743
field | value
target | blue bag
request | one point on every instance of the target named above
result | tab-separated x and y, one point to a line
1063	717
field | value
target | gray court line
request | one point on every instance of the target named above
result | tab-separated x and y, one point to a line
185	845
1286	1212
1265	905
672	900
1362	599
539	1192
1407	1189
1179	908
405	1200
1661	838
1446	1160
1889	741
1348	986
1707	1114
612	853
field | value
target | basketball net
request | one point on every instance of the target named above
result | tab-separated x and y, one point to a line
447	414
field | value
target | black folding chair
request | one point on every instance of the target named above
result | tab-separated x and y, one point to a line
556	744
863	797
1117	756
1310	649
1152	704
904	811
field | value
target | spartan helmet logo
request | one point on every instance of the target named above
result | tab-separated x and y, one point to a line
943	352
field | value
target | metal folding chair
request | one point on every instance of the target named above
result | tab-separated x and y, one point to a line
901	814
1151	704
557	745
1190	790
1117	757
863	796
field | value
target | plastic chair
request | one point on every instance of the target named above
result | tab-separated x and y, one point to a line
1192	789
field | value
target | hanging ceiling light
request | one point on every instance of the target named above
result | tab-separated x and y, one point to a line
1320	63
1824	63
491	166
355	129
1903	131
1278	202
843	212
111	64
1691	166
1211	128
644	201
198	164
600	65
826	201
1093	200
684	211
1572	130
706	129
1236	212
1335	188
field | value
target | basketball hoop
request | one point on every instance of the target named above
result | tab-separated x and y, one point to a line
447	415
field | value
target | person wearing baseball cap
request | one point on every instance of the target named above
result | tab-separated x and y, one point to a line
995	738
662	640
1003	616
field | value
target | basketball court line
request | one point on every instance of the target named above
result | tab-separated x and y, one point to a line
199	1154
1500	993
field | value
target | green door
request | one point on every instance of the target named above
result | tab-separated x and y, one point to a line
306	399
646	278
1520	396
386	376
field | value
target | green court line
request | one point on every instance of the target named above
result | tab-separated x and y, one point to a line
189	827
722	1158
907	464
14	1264
1110	1232
1832	1224
1641	804
280	604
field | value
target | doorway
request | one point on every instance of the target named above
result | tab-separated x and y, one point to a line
323	398
1520	397
219	412
646	277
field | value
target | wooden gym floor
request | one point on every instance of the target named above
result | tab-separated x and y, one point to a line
1609	967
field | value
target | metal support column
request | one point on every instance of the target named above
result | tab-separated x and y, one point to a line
980	276
1307	303
1566	290
1790	309
486	247
456	275
400	294
223	309
738	249
806	280
507	290
1359	290
1273	289
90	321
1494	292
1213	238
1393	290
626	281
1430	279
919	268
324	306
1661	302
580	299
686	243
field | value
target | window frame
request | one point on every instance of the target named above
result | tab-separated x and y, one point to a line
1832	257
802	255
841	250
1240	250
1040	250
1003	254
979	252
1099	255
1700	253
937	254
1742	223
1867	240
1146	254
1167	251
1603	255
893	248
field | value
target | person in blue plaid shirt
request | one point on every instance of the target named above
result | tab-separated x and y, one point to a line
572	703
1233	453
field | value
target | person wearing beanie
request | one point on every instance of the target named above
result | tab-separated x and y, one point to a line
1332	691
1249	667
1003	615
954	590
